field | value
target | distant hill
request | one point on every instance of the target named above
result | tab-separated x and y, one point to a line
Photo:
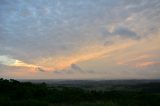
99	82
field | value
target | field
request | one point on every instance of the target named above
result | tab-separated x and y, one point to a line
80	93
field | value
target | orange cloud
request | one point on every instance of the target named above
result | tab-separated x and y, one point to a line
147	64
19	63
11	62
144	56
137	58
30	67
140	61
89	53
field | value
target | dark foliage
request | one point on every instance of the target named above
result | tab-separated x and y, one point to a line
15	93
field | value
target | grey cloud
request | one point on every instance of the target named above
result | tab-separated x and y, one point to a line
104	33
108	43
58	72
65	71
76	68
33	29
125	33
44	35
91	71
40	69
73	69
2	67
120	31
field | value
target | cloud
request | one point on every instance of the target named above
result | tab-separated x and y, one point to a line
76	68
139	58
147	64
5	60
91	71
108	43
141	61
58	71
125	33
109	37
40	69
56	35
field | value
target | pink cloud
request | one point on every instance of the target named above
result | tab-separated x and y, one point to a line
147	64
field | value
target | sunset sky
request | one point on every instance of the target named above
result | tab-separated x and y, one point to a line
80	39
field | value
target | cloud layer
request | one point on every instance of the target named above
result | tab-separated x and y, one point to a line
53	35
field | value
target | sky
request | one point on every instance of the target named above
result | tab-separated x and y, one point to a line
80	39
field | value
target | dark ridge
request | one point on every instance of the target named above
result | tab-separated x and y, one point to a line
16	93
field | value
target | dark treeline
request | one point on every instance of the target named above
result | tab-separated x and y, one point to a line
15	93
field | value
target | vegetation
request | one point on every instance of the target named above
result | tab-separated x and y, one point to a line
15	93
